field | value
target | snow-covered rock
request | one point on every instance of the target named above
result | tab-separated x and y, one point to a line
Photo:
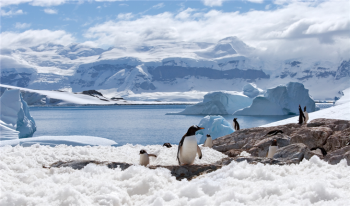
251	90
221	102
15	112
281	100
216	126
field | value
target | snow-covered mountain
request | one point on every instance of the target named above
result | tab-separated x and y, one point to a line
176	67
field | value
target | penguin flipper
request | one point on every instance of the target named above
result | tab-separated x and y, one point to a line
178	149
199	152
152	155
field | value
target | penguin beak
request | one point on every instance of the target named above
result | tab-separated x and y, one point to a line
201	128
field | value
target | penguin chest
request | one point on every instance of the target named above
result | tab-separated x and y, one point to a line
208	142
144	159
188	150
272	151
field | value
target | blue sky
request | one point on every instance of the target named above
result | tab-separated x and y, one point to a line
311	26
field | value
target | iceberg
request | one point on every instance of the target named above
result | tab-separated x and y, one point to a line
15	112
251	90
281	100
221	102
216	126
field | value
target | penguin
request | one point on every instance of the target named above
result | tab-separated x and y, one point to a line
168	145
188	147
235	124
274	132
208	142
272	149
301	116
306	115
144	157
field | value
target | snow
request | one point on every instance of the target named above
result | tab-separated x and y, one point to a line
7	131
25	182
281	100
340	111
216	126
251	90
15	112
220	102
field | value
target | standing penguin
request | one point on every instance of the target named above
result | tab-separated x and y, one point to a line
272	149
144	157
188	147
235	124
301	116
306	115
208	142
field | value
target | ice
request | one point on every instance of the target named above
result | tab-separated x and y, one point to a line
220	102
251	90
281	100
216	126
15	112
345	98
24	181
7	131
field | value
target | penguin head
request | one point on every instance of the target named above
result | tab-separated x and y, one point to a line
234	119
143	151
274	142
193	129
305	109
208	135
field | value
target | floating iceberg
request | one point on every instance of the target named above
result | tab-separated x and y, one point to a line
281	100
216	126
251	90
221	102
15	113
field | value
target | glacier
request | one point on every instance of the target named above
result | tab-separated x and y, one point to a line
251	90
216	126
15	112
220	102
281	100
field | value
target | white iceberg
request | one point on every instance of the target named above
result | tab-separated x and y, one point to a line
216	126
15	112
251	90
221	102
281	100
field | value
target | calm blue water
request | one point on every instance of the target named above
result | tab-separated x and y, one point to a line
145	124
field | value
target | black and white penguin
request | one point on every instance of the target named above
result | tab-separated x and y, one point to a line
274	132
235	124
272	149
144	157
306	115
168	145
208	142
188	147
301	116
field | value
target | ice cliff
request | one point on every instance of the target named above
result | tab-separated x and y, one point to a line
251	90
216	126
281	100
15	113
221	102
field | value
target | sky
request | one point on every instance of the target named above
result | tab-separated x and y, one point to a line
278	27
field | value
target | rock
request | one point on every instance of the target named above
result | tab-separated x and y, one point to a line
92	93
311	153
337	140
233	152
333	124
261	148
264	160
312	136
293	151
337	155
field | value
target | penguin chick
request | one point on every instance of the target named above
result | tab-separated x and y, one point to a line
144	157
235	124
208	142
272	149
168	145
188	147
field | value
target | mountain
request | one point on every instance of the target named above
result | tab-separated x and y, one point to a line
174	67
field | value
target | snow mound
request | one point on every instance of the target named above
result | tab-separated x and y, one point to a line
15	112
281	100
345	98
216	126
221	102
251	90
58	140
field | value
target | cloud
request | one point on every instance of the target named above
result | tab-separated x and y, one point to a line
158	6
125	16
11	12
21	25
42	3
34	37
256	1
304	26
50	11
212	3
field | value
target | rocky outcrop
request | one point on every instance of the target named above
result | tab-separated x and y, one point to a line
296	141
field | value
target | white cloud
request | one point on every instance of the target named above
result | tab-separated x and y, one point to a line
294	29
43	3
125	16
11	12
34	37
158	6
212	3
50	11
256	1
268	6
22	25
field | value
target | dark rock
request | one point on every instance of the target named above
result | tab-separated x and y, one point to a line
337	140
92	93
233	152
311	136
293	151
261	148
337	155
311	153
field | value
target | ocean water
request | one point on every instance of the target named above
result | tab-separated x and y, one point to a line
135	124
